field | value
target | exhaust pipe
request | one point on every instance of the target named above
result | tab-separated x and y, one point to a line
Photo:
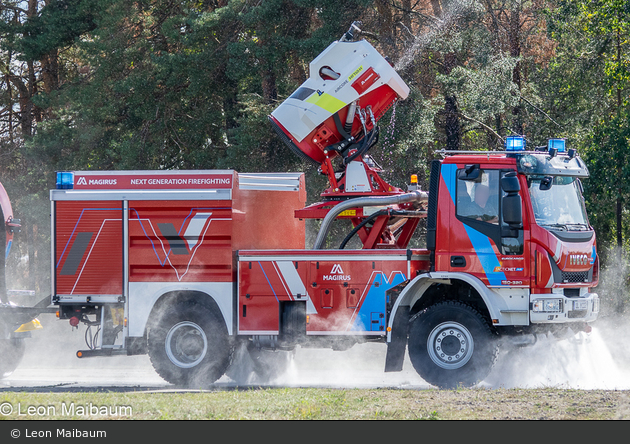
359	202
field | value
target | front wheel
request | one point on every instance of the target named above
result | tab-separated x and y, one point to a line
11	354
189	345
451	344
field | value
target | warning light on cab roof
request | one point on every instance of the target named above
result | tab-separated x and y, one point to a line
515	143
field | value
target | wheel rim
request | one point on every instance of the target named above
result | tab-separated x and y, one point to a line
450	345
186	344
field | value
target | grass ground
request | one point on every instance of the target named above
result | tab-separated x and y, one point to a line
323	404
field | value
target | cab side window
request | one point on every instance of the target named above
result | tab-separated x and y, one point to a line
479	199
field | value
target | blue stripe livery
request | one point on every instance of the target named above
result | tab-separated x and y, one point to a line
480	242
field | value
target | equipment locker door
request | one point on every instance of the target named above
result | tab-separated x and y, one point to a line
350	296
180	241
88	249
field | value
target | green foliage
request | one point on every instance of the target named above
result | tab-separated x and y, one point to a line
406	139
163	84
603	29
58	25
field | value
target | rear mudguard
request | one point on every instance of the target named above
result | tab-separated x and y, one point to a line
15	317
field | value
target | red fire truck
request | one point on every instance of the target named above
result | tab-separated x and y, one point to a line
189	265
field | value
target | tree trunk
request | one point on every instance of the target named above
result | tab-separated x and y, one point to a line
452	124
50	71
3	242
386	28
437	8
7	80
30	249
269	87
26	105
406	17
619	224
515	51
230	106
620	177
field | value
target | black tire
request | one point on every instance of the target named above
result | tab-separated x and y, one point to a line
270	365
250	365
451	344
11	354
189	345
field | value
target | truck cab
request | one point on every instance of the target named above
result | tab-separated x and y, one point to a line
517	222
512	255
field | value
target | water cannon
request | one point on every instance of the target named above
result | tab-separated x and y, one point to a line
333	115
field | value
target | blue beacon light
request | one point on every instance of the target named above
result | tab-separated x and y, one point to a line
558	144
514	143
65	180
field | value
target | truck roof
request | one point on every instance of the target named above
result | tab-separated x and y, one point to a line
483	157
533	163
167	184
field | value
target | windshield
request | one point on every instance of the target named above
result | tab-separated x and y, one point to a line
561	206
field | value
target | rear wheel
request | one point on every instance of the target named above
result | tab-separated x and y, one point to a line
11	354
451	344
189	345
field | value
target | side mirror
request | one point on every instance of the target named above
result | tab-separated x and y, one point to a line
510	184
511	204
512	212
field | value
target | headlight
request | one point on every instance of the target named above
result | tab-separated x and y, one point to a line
547	305
596	305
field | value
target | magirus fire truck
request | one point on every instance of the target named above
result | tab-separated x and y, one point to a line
189	265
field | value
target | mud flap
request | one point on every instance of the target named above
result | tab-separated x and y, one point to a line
396	348
12	316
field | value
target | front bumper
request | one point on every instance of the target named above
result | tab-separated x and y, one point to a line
558	309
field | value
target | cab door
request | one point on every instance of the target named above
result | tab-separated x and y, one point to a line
483	243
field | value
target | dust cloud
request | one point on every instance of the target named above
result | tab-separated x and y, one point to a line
50	361
595	360
598	360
